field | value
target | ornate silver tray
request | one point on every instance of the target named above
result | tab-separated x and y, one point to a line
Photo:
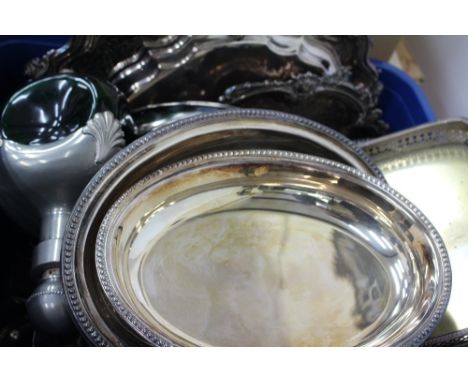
270	248
429	165
325	78
136	63
198	135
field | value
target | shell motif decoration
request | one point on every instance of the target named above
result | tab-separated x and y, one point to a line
105	128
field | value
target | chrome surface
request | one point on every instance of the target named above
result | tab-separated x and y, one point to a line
429	165
44	173
51	176
252	248
151	117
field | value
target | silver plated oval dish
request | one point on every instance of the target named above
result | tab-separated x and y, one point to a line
164	146
429	165
375	257
267	248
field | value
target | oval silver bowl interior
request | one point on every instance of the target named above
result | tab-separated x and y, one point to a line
231	129
270	248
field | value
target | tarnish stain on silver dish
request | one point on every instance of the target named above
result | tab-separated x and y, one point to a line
265	289
143	155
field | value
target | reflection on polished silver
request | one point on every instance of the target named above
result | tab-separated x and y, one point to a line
158	69
429	165
164	146
50	177
45	179
151	117
266	248
98	320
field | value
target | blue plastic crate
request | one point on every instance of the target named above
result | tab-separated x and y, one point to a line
15	52
402	100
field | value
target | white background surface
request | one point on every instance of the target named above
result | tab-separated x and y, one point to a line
444	62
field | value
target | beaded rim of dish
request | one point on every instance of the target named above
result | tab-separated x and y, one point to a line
442	134
125	312
415	339
72	293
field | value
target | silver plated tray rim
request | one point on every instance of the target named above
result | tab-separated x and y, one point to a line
400	140
233	113
191	103
417	135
